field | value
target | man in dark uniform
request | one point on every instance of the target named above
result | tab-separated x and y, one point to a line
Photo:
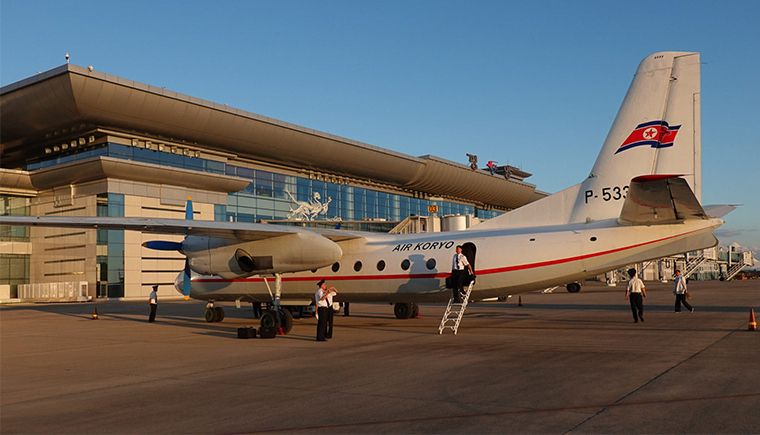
153	299
320	298
458	274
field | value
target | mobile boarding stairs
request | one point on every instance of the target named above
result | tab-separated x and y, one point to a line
452	317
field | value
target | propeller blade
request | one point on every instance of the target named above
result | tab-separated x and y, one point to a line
162	245
186	281
189	209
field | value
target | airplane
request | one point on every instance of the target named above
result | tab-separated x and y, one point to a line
638	203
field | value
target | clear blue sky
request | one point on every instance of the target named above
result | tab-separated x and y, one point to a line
534	84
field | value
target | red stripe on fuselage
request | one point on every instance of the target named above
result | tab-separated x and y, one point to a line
446	274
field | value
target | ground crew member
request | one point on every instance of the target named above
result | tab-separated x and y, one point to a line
637	292
322	309
679	289
153	300
330	312
459	262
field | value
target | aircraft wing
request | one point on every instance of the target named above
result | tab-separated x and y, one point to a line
227	230
660	199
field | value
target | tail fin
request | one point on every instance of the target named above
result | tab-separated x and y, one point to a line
656	131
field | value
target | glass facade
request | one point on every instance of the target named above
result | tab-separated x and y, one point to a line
14	206
14	268
273	196
111	266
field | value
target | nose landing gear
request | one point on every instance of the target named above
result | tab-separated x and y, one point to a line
213	314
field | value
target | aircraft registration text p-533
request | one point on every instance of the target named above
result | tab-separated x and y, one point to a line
614	193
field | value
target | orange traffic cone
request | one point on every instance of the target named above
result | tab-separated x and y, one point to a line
519	301
752	322
95	315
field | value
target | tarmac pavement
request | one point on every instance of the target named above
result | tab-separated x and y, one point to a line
561	363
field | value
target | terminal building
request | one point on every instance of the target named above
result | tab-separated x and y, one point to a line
78	142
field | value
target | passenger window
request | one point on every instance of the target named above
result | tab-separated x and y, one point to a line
381	265
336	267
358	266
405	264
431	264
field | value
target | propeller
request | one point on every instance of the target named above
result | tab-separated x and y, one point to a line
163	245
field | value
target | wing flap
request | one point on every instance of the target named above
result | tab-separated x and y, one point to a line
660	199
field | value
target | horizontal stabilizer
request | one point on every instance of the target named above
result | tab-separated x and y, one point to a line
719	210
660	199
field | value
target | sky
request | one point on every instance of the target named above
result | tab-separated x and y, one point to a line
535	84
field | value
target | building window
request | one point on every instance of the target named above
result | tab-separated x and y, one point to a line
14	206
14	270
112	204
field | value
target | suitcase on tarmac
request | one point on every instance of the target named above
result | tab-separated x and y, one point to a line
247	332
267	332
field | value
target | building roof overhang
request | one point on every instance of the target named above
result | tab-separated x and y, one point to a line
69	99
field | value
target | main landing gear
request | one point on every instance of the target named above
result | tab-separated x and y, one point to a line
213	314
279	316
277	319
406	310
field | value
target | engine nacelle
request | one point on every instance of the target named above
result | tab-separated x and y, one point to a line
293	252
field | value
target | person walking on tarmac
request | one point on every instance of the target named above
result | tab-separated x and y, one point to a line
679	289
636	291
320	298
459	262
153	300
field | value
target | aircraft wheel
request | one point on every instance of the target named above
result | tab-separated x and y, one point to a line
402	310
573	287
219	311
210	315
286	320
270	319
415	309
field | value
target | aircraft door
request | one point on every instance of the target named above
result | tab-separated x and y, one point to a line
469	250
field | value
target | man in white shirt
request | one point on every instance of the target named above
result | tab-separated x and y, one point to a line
636	291
330	312
679	289
153	300
458	264
323	308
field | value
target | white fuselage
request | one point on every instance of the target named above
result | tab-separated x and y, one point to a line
413	267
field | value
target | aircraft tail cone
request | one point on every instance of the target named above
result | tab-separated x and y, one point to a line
752	322
95	314
519	301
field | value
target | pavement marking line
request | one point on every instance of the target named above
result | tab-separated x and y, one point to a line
617	402
495	414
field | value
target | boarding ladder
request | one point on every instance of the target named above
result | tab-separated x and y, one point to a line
455	311
692	263
734	270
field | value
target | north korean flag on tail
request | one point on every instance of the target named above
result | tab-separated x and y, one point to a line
657	134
